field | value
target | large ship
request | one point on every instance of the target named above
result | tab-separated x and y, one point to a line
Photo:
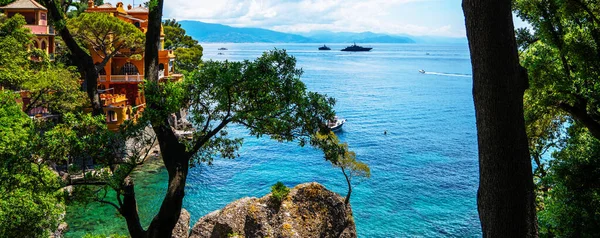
324	47
356	48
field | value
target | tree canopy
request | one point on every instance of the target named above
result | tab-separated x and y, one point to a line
30	202
561	52
187	50
107	35
15	41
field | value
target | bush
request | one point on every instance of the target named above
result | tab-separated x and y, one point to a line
279	191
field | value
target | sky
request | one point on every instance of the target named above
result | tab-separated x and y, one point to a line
412	17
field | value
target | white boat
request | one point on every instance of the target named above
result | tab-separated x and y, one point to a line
336	124
422	71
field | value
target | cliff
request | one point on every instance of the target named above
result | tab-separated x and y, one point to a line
309	210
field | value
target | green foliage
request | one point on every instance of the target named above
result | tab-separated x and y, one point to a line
266	96
14	55
341	157
5	2
187	50
78	7
188	59
562	56
105	236
55	88
107	35
30	201
571	207
279	191
176	37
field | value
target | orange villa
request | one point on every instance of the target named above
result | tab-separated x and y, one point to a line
121	79
36	17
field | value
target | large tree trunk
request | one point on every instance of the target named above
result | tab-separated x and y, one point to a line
174	154
84	61
505	198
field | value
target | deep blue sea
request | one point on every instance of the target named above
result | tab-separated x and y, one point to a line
424	172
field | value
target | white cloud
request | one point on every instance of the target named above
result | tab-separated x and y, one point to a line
384	16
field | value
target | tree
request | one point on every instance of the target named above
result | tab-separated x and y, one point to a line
107	36
14	55
47	85
266	96
77	7
30	204
562	57
187	50
5	2
84	61
571	207
188	59
340	156
505	197
561	53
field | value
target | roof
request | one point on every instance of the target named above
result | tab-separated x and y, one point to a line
138	9
132	18
106	5
24	4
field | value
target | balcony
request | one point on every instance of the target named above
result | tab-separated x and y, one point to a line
121	78
37	29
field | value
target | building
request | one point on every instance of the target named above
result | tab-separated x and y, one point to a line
120	80
36	17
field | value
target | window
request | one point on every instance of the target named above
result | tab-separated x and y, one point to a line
43	16
129	69
112	116
44	45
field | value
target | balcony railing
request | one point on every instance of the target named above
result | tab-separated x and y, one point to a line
37	29
121	78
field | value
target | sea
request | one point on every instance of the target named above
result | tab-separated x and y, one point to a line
424	170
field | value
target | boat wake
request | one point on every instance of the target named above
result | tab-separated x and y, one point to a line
449	74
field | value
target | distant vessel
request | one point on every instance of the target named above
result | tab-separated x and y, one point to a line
324	47
356	48
222	48
220	53
422	71
336	124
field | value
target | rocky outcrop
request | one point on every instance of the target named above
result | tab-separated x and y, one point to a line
309	210
183	225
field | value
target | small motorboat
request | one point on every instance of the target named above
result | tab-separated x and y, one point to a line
421	71
222	48
336	124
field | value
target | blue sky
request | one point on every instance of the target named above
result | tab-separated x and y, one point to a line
414	17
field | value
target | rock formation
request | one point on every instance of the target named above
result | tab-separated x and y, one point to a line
183	225
309	210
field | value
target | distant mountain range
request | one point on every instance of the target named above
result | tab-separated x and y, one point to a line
211	32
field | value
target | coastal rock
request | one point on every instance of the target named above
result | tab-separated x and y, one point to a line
183	225
309	210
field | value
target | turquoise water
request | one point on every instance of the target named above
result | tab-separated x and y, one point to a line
424	171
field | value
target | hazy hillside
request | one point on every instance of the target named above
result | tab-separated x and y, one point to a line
210	32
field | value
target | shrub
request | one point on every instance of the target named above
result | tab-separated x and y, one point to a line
279	191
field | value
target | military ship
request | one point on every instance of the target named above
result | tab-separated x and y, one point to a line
356	48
